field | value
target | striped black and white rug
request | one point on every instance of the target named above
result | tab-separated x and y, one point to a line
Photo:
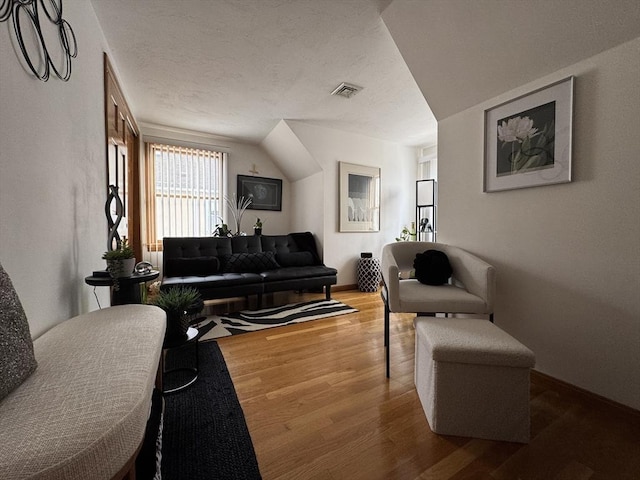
252	320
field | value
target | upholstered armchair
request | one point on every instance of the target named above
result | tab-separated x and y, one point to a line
471	289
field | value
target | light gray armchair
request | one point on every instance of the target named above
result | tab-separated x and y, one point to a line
470	290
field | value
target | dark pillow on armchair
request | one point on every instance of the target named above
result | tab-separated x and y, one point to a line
249	262
17	360
194	266
295	259
432	267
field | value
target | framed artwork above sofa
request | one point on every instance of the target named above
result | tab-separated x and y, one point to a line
265	193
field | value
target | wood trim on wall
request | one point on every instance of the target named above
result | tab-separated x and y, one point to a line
123	144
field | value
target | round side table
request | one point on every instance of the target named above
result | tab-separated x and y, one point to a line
188	374
129	287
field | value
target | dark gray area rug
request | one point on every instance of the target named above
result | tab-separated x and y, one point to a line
205	435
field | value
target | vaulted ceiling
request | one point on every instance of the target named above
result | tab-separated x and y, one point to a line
237	67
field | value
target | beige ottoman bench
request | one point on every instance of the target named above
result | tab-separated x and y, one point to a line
472	379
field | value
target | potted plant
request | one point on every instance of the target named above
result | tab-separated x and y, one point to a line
120	262
177	302
408	234
257	227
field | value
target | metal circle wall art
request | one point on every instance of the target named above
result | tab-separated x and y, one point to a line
37	25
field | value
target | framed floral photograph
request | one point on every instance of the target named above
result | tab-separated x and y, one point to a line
528	139
359	198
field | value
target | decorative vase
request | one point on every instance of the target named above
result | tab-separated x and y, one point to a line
369	273
177	326
257	231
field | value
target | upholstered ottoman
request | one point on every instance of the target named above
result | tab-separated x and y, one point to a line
472	378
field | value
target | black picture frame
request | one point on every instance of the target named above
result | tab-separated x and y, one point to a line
265	193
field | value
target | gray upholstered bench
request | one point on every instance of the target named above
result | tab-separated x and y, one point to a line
472	378
82	413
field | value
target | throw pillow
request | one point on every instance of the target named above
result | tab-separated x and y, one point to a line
17	360
432	267
295	259
249	262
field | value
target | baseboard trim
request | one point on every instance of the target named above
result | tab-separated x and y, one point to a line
592	398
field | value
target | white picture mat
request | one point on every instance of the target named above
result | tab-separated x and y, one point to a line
371	222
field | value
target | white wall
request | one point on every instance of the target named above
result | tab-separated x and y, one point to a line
308	208
567	256
398	175
52	176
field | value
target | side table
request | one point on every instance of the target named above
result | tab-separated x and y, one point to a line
129	287
188	375
369	274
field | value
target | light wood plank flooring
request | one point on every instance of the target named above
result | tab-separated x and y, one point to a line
319	407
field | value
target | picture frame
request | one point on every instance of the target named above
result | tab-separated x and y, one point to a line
265	193
528	139
359	198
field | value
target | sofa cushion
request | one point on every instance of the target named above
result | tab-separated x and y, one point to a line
295	259
194	266
220	280
291	273
249	262
17	360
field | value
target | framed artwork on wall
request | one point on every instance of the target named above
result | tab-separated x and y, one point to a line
359	198
265	193
528	139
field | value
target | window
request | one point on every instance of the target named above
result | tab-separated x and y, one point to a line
184	192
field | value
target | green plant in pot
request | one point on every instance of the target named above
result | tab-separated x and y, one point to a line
120	262
177	302
257	227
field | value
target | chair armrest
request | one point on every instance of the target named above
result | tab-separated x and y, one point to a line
477	276
390	276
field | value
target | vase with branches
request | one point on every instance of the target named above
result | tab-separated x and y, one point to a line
237	206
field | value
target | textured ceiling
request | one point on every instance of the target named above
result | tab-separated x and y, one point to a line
237	67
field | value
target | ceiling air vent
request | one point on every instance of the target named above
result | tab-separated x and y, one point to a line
346	90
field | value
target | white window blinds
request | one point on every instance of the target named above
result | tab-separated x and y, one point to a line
184	192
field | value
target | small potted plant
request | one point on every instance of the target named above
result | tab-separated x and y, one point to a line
120	262
177	302
257	227
221	230
408	234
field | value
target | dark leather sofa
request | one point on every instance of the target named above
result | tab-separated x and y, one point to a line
223	267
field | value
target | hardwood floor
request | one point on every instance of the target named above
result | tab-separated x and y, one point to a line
319	407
